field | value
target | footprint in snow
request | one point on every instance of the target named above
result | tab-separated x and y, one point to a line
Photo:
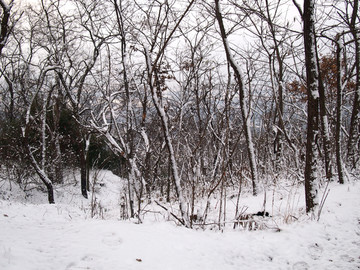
84	262
112	240
347	258
300	266
315	251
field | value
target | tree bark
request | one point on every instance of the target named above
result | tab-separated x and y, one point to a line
5	29
353	141
243	107
324	125
339	87
41	173
165	127
83	166
56	114
311	158
279	97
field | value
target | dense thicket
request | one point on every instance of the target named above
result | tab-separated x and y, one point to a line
184	99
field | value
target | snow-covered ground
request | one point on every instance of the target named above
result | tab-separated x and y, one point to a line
35	235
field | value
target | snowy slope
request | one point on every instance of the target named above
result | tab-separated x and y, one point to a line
62	236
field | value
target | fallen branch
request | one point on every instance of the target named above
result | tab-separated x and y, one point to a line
163	207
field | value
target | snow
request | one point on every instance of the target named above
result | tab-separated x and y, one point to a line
36	235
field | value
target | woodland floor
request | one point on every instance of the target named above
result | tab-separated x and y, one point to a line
35	235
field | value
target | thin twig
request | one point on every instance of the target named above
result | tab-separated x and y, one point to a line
171	213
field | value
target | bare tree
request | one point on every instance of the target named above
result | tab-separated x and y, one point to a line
153	81
28	79
243	105
39	167
77	66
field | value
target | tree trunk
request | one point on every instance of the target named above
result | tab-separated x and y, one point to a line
324	125
339	86
5	29
243	107
41	173
354	124
83	170
279	96
311	187
165	127
56	112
